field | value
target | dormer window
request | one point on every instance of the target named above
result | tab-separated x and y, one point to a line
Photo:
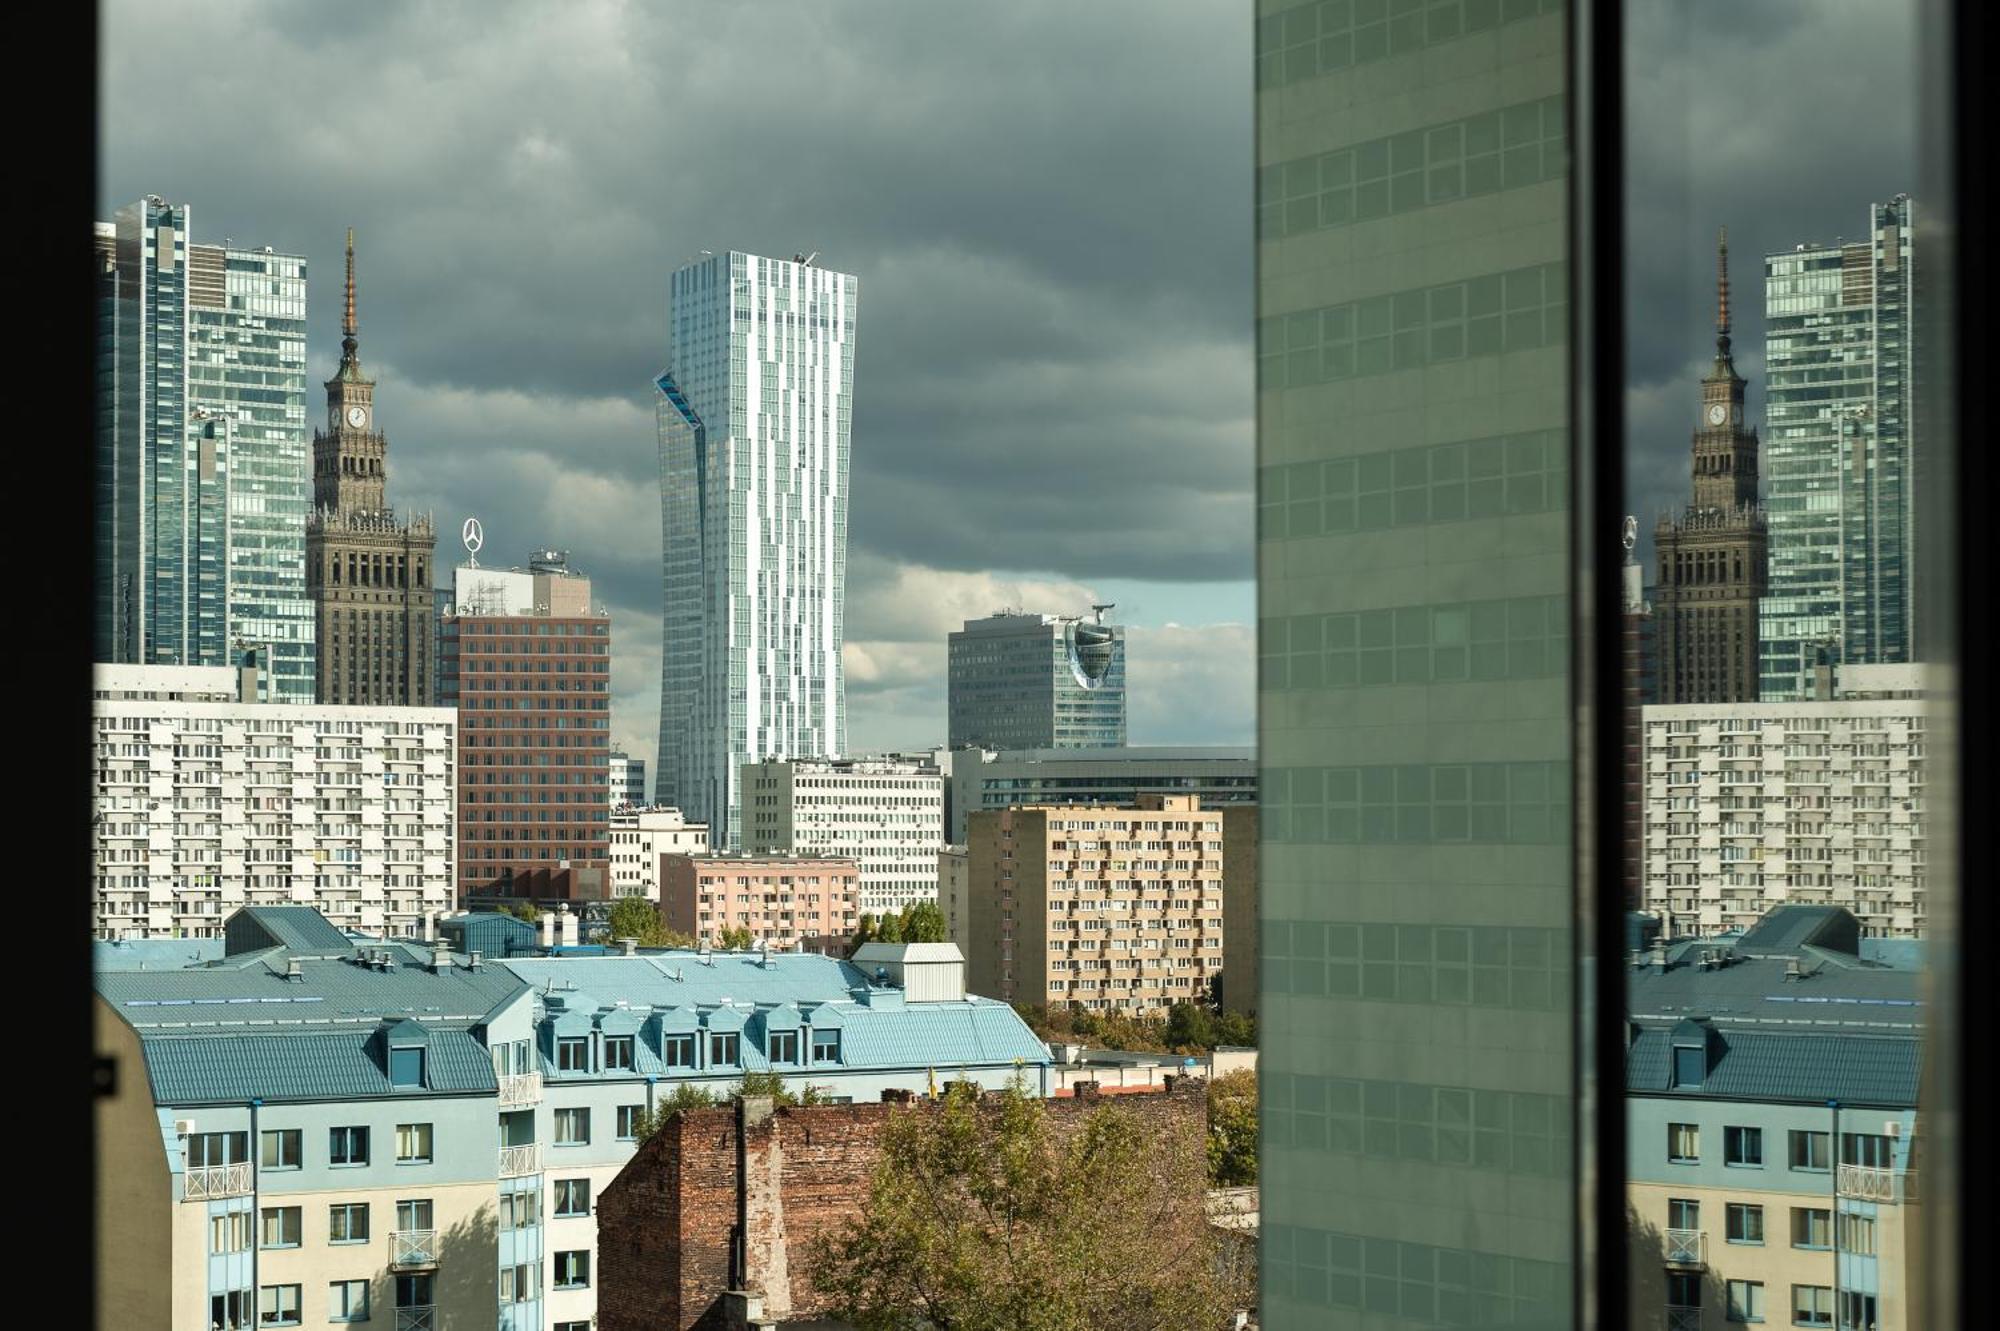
784	1046
724	1049
1690	1065
679	1051
573	1054
618	1053
826	1046
406	1066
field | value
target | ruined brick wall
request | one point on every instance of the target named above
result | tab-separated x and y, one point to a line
664	1224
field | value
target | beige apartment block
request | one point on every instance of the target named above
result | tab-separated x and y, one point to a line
1104	908
783	900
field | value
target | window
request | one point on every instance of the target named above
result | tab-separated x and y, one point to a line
722	1048
1746	1300
205	1150
1870	1149
628	1121
1858	1311
1690	1065
278	1305
573	1055
1746	1223
1857	1234
281	1227
347	1222
1683	1289
1809	1150
1743	1147
1683	1214
1683	1143
347	1301
518	1284
572	1196
1812	1305
229	1310
1812	1227
518	1210
414	1215
406	1066
572	1326
413	1143
347	1146
573	1270
784	1046
229	1233
618	1053
278	1149
414	1291
573	1127
826	1046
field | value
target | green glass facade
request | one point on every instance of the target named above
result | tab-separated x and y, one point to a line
1417	1005
1837	331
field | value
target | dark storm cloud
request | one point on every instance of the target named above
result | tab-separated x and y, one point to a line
1781	120
1047	206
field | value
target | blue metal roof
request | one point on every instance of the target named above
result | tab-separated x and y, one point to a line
299	929
320	1064
1778	1067
134	954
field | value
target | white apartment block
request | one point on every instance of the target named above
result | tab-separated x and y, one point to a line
885	814
203	804
639	837
628	781
1752	805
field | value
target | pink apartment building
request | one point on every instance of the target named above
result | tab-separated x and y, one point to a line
783	900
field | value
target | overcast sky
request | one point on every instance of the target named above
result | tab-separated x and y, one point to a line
1047	205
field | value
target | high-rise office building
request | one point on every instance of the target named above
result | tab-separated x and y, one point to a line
1020	681
981	779
1415	715
1712	555
754	417
1837	328
368	573
526	659
202	476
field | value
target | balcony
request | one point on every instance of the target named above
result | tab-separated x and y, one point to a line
413	1249
1685	1247
519	1091
425	1318
1869	1183
1683	1319
520	1161
209	1181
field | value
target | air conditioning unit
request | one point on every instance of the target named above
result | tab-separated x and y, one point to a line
1892	1128
183	1127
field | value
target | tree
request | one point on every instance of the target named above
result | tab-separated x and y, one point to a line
683	1096
889	929
773	1085
1232	1130
923	922
1189	1027
637	917
863	934
984	1217
734	937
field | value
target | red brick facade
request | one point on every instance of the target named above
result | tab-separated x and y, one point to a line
665	1225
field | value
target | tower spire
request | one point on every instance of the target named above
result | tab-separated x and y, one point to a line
347	324
1722	291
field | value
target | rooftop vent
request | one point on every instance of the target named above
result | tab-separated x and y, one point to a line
1792	971
628	947
295	970
473	961
440	957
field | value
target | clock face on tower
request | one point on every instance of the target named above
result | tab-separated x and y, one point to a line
1715	414
358	416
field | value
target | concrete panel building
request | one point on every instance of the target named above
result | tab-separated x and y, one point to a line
1032	681
954	896
885	814
1752	805
785	901
203	804
1772	1162
1106	908
310	1130
990	779
639	837
628	781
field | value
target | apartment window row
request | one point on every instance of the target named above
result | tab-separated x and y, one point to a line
1523	638
1324	36
1500	803
1805	1150
1415	1282
1487	965
1499	1130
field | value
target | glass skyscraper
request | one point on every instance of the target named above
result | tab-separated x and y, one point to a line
1020	681
1837	332
1416	1004
203	479
754	413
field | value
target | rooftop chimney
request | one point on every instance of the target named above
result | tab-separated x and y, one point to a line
473	961
440	957
295	970
628	947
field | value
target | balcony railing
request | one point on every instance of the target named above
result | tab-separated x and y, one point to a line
1683	1319
517	1161
413	1248
1685	1247
525	1089
1872	1184
417	1319
207	1181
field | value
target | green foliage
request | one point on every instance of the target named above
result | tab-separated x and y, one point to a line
1232	1130
889	929
982	1217
521	911
923	922
734	938
1186	1029
683	1096
864	934
637	917
773	1085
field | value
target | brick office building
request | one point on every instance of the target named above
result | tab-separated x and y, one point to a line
526	660
668	1225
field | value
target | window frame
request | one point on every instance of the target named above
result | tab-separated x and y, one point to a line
276	1317
1797	1137
1812	1318
564	1192
571	1114
625	1046
572	1053
1754	1294
1734	1137
265	1214
429	1144
348	1210
347	1135
1732	1212
279	1136
335	1289
626	1127
1675	1132
580	1267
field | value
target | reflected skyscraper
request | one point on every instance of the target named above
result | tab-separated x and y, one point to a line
754	418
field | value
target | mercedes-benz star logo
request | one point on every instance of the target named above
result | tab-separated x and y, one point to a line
472	536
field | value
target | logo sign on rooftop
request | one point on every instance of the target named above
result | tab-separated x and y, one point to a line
473	538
